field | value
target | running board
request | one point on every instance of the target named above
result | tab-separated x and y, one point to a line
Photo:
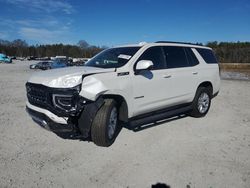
154	117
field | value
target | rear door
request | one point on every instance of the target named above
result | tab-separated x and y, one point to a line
183	72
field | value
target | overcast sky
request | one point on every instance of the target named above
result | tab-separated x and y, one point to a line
114	22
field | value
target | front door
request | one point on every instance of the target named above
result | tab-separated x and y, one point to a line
149	86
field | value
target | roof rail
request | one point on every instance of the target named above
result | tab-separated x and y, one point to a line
197	44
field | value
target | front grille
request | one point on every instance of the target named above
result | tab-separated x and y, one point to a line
37	95
41	96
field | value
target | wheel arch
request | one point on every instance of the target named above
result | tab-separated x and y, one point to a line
122	105
207	84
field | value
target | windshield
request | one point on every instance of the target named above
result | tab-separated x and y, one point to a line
113	57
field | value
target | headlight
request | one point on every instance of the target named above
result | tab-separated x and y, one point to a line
67	100
64	102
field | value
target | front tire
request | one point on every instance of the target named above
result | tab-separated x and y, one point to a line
201	102
105	126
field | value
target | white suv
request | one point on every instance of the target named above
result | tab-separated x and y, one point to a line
127	85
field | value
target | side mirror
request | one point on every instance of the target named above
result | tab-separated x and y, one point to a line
144	65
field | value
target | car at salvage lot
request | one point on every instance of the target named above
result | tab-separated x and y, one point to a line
5	59
129	85
45	65
40	65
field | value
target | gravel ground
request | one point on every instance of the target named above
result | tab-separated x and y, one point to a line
208	152
229	75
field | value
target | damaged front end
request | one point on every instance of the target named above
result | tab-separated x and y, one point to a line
65	103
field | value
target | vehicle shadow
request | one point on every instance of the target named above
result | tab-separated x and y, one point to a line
78	136
154	124
72	136
160	185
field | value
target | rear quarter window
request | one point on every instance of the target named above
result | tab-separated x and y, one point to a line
208	55
192	60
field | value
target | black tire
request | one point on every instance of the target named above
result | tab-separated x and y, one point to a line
100	125
195	105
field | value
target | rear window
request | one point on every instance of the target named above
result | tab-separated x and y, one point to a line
175	57
207	55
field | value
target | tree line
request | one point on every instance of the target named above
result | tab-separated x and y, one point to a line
231	52
19	48
226	52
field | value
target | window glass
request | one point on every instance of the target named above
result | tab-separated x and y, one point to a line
175	57
192	60
154	54
113	57
207	55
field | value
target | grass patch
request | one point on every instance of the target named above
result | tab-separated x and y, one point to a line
235	67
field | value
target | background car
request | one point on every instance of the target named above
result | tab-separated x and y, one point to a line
57	63
29	58
54	64
5	59
41	65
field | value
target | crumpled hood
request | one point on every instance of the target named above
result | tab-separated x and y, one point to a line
65	77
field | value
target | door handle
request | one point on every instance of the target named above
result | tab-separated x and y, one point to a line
195	73
167	76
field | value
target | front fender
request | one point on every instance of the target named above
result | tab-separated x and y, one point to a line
92	88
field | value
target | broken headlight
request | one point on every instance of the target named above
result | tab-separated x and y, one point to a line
64	102
67	99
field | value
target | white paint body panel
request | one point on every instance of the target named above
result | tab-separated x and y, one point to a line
55	78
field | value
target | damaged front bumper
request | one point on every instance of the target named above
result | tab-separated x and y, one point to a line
51	122
44	121
69	127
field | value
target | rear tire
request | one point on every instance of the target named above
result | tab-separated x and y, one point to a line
105	126
201	102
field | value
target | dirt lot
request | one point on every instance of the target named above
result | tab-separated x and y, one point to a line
209	152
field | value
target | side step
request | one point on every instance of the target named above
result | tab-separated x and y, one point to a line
154	117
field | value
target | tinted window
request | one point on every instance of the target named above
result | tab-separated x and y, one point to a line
175	57
207	55
155	54
192	60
